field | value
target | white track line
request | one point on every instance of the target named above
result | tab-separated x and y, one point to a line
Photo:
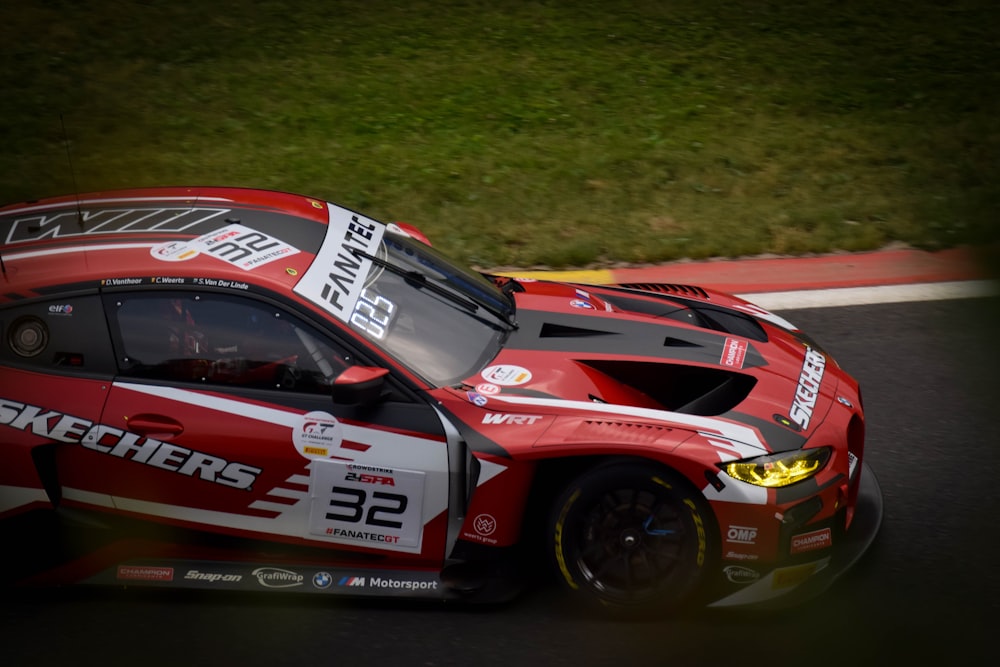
859	296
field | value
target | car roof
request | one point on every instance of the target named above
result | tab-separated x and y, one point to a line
214	233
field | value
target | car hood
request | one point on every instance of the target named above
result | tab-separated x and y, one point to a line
689	359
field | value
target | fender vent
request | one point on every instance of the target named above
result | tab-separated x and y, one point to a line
665	288
641	434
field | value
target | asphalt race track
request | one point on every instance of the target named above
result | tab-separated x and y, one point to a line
927	592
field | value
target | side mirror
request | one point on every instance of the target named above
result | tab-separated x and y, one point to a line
359	385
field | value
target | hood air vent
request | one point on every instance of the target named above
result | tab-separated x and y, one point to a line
550	330
693	390
670	341
676	302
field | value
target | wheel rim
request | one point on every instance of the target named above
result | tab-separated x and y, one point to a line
633	544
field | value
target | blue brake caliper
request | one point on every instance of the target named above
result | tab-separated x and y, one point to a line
657	532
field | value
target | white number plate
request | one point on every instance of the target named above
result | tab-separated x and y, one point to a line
364	505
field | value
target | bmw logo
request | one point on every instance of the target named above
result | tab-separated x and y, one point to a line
322	580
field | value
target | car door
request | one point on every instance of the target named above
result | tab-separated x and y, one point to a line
56	364
222	418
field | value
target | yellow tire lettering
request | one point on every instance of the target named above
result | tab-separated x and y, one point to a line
560	522
662	483
700	529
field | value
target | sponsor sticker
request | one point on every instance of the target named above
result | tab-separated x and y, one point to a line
402	584
236	244
336	278
276	577
739	574
852	464
741	534
817	539
506	375
62	310
352	582
145	573
317	435
503	418
580	303
113	441
487	389
807	390
734	353
477	399
484	524
322	580
212	577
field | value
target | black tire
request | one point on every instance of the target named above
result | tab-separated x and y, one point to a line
632	538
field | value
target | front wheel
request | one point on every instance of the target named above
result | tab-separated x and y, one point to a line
631	537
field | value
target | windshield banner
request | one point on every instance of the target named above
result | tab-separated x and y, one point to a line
336	277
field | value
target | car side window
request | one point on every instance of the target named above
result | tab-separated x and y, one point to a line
68	335
221	340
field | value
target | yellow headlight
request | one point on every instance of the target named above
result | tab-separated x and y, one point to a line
776	470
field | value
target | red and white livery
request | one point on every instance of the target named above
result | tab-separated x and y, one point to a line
241	389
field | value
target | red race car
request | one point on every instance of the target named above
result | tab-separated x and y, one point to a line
241	389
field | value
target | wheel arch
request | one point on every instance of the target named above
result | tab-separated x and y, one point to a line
553	481
552	475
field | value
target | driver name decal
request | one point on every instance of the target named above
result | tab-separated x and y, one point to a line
336	278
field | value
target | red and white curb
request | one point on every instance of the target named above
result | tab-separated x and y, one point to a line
885	276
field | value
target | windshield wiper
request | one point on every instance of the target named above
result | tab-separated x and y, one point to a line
437	286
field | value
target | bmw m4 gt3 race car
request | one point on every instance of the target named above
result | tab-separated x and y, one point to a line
238	389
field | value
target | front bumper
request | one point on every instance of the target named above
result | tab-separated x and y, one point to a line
773	592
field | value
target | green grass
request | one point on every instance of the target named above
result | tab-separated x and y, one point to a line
559	133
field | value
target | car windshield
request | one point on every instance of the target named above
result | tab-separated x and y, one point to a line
442	321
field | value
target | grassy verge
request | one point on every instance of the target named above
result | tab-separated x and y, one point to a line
557	133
